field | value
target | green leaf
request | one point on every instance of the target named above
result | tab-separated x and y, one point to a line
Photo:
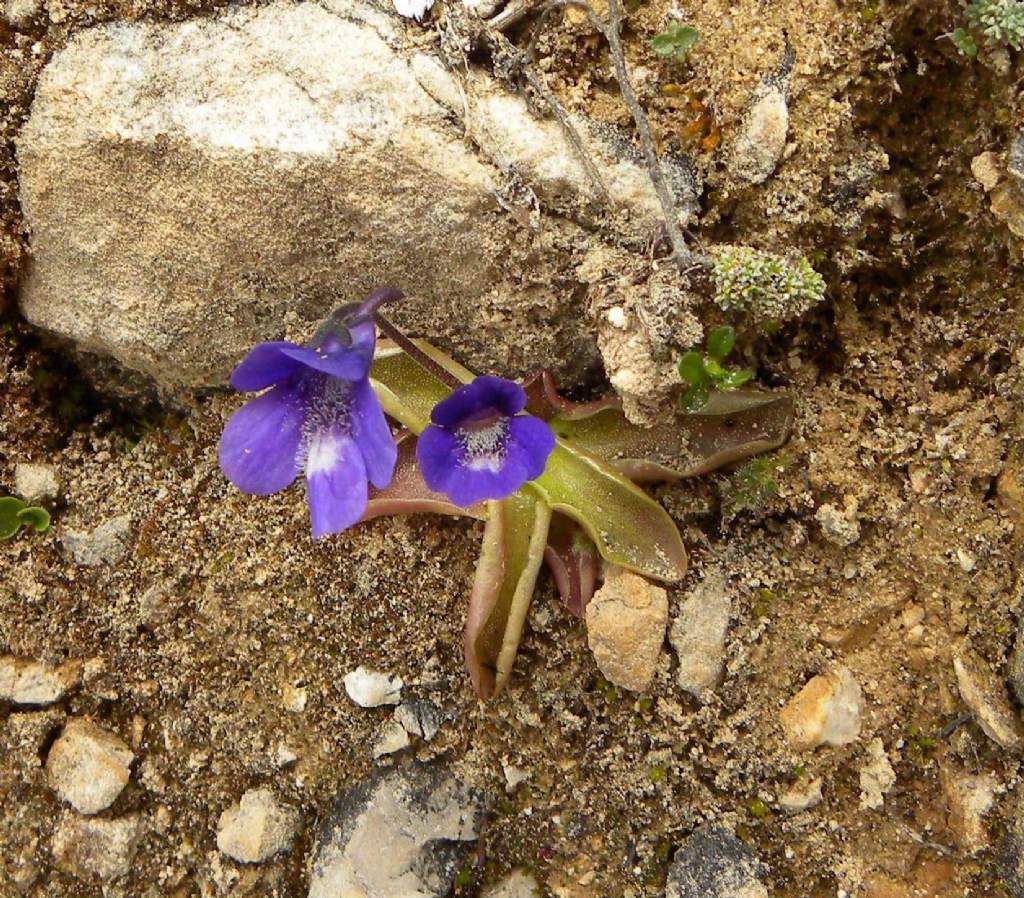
696	397
9	521
628	527
715	371
35	517
685	36
664	44
515	535
721	341
737	378
676	41
691	368
965	42
734	425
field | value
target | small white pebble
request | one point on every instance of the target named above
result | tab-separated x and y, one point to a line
616	316
393	737
294	699
413	9
912	616
966	559
370	688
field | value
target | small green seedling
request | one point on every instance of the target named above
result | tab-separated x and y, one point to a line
964	42
675	41
754	484
15	514
704	373
758	809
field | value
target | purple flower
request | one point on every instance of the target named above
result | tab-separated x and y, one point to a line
479	447
320	415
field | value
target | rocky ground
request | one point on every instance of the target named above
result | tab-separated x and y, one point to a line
197	700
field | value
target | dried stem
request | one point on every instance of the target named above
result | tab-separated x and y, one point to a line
571	133
680	251
519	64
416	354
612	32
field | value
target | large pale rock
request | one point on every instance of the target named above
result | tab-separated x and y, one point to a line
825	712
626	622
404	832
193	188
536	150
88	767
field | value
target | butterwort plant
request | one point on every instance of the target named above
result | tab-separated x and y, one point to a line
553	480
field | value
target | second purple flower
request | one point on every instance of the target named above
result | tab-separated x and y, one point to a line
479	447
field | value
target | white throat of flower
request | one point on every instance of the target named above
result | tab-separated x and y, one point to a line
483	448
327	422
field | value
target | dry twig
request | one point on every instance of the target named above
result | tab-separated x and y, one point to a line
612	32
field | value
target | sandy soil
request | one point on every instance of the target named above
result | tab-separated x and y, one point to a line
908	384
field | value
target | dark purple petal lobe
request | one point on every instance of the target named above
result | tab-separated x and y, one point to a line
530	442
345	364
483	394
467	486
259	449
437	452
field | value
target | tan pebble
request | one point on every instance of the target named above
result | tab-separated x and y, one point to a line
986	696
88	766
825	712
626	621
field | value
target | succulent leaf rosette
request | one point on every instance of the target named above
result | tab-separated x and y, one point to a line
555	481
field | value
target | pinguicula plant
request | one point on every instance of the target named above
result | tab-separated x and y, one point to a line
15	514
555	481
704	373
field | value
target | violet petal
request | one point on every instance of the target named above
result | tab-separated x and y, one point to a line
371	432
265	365
336	482
486	392
530	442
347	364
467	486
437	452
259	449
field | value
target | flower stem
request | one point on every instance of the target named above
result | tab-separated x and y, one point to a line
416	354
